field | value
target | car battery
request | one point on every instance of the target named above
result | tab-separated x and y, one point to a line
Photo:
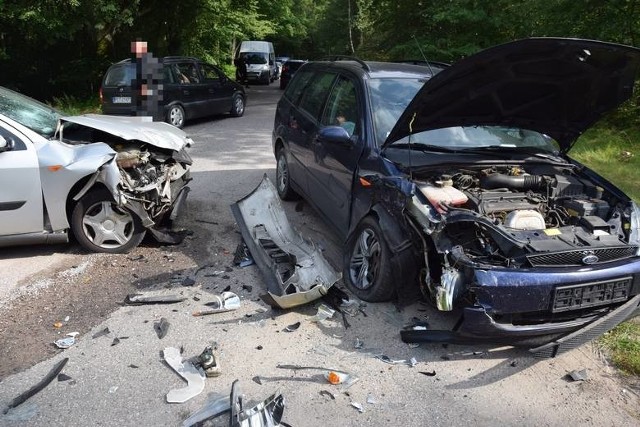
587	207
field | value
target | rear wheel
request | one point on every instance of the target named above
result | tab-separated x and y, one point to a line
100	225
237	105
175	116
283	177
368	263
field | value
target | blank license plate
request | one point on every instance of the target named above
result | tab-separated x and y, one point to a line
121	100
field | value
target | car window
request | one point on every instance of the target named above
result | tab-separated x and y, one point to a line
186	72
169	76
19	145
342	108
120	75
297	85
315	93
389	98
210	73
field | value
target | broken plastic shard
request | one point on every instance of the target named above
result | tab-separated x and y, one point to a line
63	377
371	400
101	333
194	376
65	342
113	389
242	256
578	375
292	328
328	394
342	377
161	327
295	270
53	373
267	413
336	377
115	341
324	312
216	405
140	299
257	379
429	374
358	406
358	344
227	301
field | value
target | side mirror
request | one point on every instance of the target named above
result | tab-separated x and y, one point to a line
6	144
335	135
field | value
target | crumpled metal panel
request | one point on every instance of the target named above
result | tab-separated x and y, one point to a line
295	270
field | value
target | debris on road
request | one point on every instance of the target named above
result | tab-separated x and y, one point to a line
328	394
207	361
577	375
333	376
187	370
161	327
53	373
324	312
386	359
295	270
63	377
267	413
358	406
227	301
140	299
293	327
427	373
101	333
242	257
67	342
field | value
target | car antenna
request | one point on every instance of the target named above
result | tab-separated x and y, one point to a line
409	142
423	55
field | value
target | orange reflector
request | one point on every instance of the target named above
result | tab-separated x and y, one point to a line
364	182
55	168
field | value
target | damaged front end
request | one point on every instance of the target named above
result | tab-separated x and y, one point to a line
527	256
151	160
295	270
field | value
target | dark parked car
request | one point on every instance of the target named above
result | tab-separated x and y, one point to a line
191	89
289	68
457	181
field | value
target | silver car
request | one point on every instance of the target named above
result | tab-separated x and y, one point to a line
107	179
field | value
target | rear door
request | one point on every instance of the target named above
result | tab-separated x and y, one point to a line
219	91
21	209
117	93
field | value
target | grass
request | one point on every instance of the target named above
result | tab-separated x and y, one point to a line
615	154
72	106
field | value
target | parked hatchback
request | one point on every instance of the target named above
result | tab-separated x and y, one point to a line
191	88
457	181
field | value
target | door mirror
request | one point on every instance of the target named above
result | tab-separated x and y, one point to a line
335	135
6	144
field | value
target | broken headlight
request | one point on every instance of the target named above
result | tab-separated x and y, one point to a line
634	232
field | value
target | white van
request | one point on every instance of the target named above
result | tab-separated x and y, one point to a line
260	59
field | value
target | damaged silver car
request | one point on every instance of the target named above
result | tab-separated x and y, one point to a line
457	180
107	179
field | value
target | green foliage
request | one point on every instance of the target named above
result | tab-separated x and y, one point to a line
73	106
623	345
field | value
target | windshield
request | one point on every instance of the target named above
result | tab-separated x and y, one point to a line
255	57
389	98
28	112
479	137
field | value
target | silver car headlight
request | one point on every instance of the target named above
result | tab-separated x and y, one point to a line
634	232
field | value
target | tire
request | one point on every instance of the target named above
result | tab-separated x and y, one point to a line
367	263
175	116
237	106
100	225
283	177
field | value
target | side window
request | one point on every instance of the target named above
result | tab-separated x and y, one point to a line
297	85
169	75
186	73
19	145
210	73
315	94
342	106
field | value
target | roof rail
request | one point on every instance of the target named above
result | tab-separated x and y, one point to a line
422	62
346	58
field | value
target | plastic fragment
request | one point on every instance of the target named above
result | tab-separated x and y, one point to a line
63	377
371	400
386	359
328	394
53	373
188	281
324	312
161	327
194	376
113	389
66	319
358	406
216	405
257	380
578	375
208	362
67	342
358	344
267	413
292	328
101	333
140	299
57	325
242	256
429	374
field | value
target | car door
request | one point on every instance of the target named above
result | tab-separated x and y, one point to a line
304	123
192	90
334	164
218	90
21	209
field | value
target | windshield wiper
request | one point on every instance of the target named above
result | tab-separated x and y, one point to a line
424	148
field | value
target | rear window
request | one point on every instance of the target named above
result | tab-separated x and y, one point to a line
120	75
293	66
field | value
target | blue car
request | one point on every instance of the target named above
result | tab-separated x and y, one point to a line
455	181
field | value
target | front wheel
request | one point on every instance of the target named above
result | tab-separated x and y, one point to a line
367	263
237	105
100	225
175	116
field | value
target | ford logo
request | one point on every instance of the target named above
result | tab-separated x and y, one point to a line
590	259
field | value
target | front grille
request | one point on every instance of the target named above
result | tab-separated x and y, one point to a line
576	257
586	295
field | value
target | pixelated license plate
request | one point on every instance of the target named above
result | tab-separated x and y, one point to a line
121	100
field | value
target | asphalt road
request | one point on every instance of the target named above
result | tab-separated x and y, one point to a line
121	378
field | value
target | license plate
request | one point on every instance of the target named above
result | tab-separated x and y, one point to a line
121	100
587	295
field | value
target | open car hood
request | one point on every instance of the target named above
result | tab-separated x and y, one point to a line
158	134
558	87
